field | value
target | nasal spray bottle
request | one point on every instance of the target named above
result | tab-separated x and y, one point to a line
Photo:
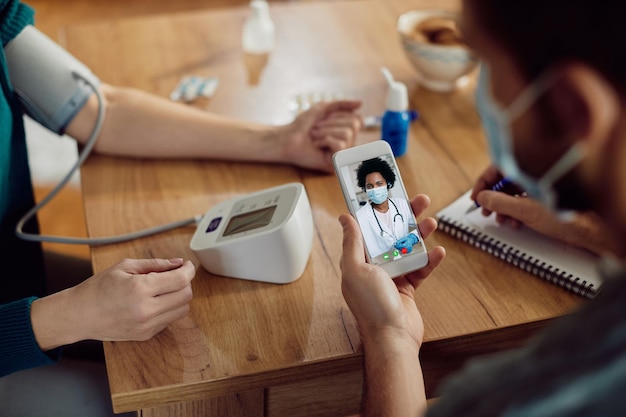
258	30
396	120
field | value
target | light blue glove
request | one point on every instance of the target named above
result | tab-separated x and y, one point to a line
406	242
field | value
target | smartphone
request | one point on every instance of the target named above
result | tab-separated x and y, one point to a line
376	197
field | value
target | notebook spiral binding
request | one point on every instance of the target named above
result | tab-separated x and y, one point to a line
517	258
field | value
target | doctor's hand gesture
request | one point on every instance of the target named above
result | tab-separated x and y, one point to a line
383	306
405	244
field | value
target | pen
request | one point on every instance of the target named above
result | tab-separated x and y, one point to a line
504	186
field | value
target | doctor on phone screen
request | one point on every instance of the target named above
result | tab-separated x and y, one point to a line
384	220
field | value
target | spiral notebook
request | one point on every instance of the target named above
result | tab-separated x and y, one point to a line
569	267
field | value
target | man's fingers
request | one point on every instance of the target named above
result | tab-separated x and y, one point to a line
427	226
435	257
487	179
353	250
518	208
420	203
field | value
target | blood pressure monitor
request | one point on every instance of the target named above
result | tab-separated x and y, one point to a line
264	236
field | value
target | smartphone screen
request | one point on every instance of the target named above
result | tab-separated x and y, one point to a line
376	197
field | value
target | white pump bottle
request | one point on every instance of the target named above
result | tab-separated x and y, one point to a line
395	123
258	35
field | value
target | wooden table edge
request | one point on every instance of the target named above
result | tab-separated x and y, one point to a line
439	359
219	387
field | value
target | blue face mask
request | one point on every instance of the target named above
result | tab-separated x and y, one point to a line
378	195
497	125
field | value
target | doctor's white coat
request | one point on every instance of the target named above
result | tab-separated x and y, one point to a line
377	244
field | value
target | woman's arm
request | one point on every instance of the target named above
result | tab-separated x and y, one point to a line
140	124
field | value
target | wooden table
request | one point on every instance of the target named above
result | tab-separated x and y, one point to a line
250	348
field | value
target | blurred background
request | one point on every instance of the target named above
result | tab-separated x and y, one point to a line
52	156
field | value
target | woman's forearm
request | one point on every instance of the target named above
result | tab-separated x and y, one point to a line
139	124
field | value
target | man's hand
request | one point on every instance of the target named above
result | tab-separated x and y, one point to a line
390	324
378	302
587	230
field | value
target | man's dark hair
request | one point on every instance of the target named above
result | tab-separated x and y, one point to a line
375	165
540	33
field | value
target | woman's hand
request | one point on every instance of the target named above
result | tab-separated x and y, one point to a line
133	300
315	135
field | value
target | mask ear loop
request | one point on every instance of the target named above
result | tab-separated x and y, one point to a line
531	94
525	100
572	156
565	163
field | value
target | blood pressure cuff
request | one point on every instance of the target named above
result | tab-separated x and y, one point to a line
43	75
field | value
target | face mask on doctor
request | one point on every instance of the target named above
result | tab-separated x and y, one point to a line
378	195
497	125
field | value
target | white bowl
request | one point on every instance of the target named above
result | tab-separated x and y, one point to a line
442	67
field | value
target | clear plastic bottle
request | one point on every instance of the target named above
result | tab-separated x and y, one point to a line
396	120
258	30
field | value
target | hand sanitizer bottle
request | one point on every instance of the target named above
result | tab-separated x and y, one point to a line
396	120
258	30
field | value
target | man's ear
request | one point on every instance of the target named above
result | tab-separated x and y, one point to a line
585	103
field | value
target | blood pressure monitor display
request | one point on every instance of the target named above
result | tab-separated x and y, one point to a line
250	221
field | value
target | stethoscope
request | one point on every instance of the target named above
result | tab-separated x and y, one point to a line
382	232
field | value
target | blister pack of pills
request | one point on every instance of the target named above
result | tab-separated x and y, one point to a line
190	88
302	102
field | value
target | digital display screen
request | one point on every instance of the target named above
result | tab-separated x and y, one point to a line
250	221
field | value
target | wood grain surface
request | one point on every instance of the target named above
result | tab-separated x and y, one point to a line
278	348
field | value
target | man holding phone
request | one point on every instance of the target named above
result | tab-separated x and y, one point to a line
552	100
